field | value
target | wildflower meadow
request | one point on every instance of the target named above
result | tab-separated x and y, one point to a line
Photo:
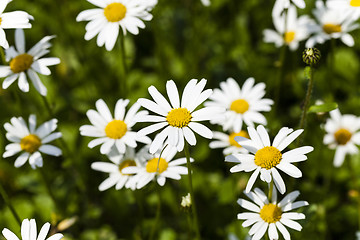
174	120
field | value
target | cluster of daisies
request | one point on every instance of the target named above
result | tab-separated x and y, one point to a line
333	20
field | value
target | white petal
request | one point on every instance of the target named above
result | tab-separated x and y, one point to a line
201	130
50	150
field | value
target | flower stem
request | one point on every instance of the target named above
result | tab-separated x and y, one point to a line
271	186
2	54
8	203
307	98
157	216
193	205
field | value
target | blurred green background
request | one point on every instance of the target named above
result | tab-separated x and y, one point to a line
184	40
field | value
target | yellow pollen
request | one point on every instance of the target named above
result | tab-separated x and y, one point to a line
331	28
126	163
30	143
154	165
355	3
342	136
115	12
179	117
239	106
289	37
268	157
232	141
270	213
21	63
116	129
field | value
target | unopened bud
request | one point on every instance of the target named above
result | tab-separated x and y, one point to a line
186	201
311	56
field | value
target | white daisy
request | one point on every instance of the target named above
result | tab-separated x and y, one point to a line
289	32
113	131
179	119
281	5
31	141
228	142
242	104
159	167
15	19
332	23
342	134
117	178
206	3
24	63
113	14
29	232
271	216
266	158
351	5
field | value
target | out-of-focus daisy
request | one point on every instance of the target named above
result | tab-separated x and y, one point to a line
228	142
106	20
24	63
351	5
242	104
116	177
281	5
179	119
29	232
265	158
31	141
332	23
290	32
206	3
271	216
342	134
15	19
159	167
113	131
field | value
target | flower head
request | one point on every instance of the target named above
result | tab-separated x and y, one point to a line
23	64
29	232
106	20
265	158
31	141
342	134
16	19
113	131
353	6
241	104
180	118
281	5
311	56
227	141
271	215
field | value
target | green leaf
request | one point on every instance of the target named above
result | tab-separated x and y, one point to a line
326	107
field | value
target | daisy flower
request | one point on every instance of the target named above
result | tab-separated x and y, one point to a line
332	23
296	29
31	141
265	158
228	142
22	63
271	216
281	5
206	3
159	166
116	177
180	118
15	19
342	134
113	131
106	20
351	5
241	104
29	232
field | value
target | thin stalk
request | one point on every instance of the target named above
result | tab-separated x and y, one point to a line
48	106
271	187
157	217
193	204
2	54
48	188
8	203
307	98
123	81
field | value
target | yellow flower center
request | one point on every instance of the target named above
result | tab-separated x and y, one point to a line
126	163
270	213
289	37
355	3
179	117
156	165
342	136
30	143
239	106
116	129
268	157
0	20
331	28
21	63
114	12
232	141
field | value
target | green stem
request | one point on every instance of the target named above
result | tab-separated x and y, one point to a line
270	190
48	188
279	79
2	54
157	217
193	205
307	98
48	106
8	203
123	81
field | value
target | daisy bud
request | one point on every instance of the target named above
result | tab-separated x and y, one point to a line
311	56
186	201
